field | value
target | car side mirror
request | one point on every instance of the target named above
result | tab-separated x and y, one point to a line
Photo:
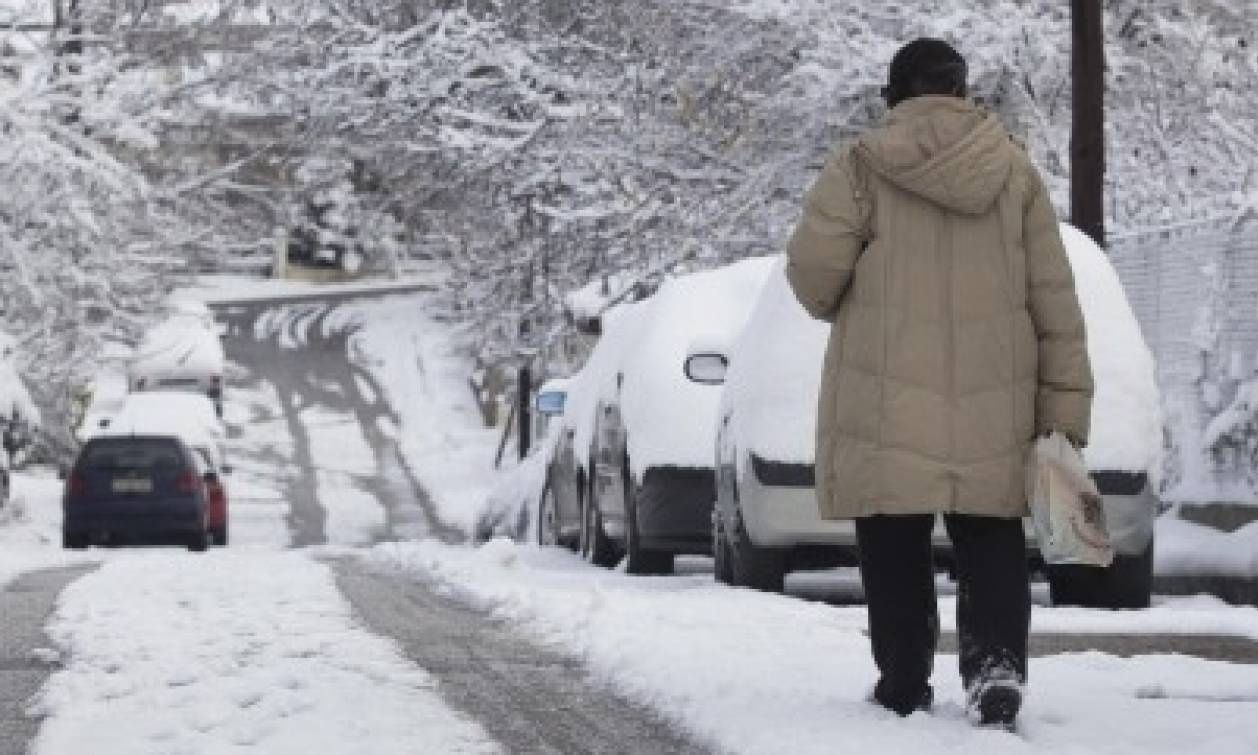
706	368
551	403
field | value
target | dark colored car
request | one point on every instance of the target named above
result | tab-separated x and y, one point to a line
125	489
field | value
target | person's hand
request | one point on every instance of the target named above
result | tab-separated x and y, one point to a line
1078	446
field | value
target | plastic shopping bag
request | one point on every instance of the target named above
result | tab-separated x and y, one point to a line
1065	505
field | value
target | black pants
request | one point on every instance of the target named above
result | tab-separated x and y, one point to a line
993	600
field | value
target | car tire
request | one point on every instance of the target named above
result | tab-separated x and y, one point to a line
218	536
199	542
596	547
721	567
753	566
1126	583
73	542
640	560
548	518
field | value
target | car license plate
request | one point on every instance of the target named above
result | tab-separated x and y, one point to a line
133	485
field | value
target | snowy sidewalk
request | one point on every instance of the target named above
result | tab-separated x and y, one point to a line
166	652
757	673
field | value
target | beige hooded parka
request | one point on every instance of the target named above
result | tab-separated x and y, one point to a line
932	246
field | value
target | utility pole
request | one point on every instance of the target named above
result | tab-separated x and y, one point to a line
1087	132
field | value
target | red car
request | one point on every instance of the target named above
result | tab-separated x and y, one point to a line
216	491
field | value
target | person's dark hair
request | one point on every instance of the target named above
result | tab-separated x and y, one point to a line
925	66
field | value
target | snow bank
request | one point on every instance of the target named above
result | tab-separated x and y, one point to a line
670	420
775	371
167	652
1187	548
30	527
750	672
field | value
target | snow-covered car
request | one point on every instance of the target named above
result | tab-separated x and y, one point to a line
181	307
632	467
179	354
191	419
766	520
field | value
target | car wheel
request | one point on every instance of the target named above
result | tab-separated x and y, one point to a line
721	568
753	566
640	560
1126	583
200	541
73	542
548	519
218	536
596	547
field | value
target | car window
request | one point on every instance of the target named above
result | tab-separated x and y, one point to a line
132	453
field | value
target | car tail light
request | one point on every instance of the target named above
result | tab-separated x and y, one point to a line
188	482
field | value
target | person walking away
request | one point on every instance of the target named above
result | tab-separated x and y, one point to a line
931	245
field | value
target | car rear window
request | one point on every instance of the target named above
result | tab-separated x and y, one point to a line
132	453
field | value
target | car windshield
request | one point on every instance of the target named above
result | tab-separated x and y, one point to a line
132	453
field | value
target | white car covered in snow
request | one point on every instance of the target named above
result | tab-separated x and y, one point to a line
632	468
179	354
188	416
767	521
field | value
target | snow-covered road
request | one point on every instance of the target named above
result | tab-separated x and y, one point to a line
347	617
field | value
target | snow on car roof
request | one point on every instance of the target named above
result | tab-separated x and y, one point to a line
775	371
161	411
644	345
187	416
179	344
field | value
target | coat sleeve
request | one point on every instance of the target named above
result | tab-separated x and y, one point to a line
827	242
1064	395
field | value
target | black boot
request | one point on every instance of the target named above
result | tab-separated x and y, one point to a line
994	698
901	704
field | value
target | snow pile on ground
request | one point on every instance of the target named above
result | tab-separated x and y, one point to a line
415	361
1187	548
30	526
183	653
512	505
756	673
